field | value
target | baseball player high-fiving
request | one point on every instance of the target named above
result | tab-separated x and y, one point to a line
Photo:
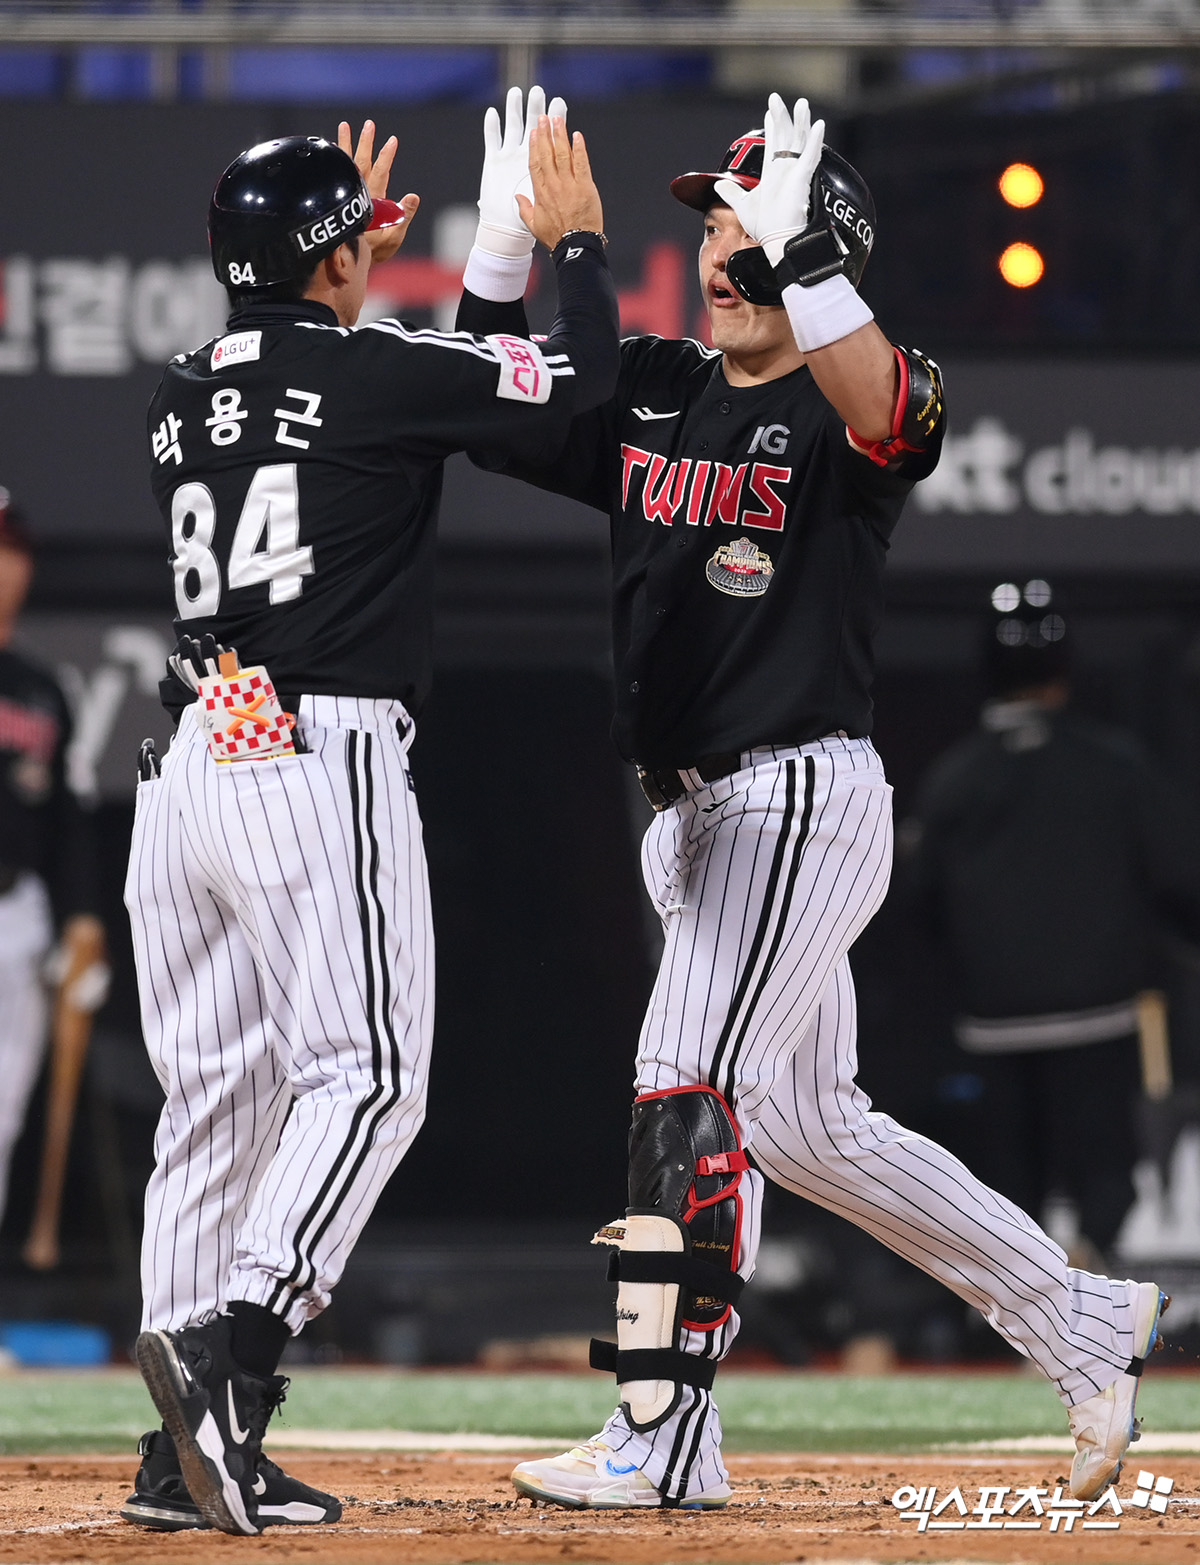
277	885
752	490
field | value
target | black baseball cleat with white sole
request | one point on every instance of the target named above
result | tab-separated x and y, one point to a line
216	1413
161	1502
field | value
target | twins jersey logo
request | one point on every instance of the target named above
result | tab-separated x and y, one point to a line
705	492
740	569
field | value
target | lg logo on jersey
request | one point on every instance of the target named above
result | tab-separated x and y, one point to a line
772	438
706	492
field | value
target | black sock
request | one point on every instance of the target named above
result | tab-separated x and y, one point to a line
258	1337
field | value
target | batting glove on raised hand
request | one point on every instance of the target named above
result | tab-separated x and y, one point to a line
506	171
778	206
195	659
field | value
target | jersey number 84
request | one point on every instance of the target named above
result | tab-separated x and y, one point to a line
265	548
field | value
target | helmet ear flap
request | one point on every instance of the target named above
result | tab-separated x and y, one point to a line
753	276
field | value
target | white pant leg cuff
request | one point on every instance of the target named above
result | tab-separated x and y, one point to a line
824	313
499	278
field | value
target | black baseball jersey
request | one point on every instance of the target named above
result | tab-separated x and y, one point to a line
298	467
42	826
748	542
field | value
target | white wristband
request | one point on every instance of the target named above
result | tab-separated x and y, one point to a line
498	278
499	239
824	313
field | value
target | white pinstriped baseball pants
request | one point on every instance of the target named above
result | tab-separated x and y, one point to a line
284	950
764	880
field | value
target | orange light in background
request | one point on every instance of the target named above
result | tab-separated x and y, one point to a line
1021	185
1021	265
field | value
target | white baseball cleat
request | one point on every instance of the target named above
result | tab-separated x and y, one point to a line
593	1477
1104	1425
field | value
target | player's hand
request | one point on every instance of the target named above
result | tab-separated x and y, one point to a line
397	217
502	230
778	206
564	193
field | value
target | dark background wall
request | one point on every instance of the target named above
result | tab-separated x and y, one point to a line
1074	452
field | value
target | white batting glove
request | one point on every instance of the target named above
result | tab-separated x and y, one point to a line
506	171
500	260
778	206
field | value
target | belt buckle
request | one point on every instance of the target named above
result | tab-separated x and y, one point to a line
655	797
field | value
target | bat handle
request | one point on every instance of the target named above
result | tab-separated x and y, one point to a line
41	1252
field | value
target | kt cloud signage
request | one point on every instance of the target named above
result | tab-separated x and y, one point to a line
1084	465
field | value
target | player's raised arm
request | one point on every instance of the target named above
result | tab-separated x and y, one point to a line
498	266
575	367
877	389
537	185
566	216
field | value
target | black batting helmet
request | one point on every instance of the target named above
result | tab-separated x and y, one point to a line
281	207
839	192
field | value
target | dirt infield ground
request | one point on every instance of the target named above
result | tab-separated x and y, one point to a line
449	1509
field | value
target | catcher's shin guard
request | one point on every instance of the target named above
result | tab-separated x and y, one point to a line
676	1253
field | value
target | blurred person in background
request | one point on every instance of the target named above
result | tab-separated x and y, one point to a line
1050	854
47	856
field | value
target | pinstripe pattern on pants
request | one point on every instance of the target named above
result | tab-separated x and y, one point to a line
763	881
283	941
817	1135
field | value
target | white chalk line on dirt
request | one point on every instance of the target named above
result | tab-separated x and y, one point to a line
1182	1442
404	1440
100	1521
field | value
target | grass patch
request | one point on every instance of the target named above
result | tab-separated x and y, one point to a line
781	1411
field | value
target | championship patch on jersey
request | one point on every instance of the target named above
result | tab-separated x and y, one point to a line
241	716
240	347
524	373
741	569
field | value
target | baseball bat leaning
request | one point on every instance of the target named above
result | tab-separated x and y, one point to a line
1154	1043
80	993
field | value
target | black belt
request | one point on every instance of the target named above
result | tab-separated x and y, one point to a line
664	785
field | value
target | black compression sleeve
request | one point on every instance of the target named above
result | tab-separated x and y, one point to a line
586	326
485	318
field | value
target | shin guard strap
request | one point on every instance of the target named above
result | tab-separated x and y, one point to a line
673	1266
652	1364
